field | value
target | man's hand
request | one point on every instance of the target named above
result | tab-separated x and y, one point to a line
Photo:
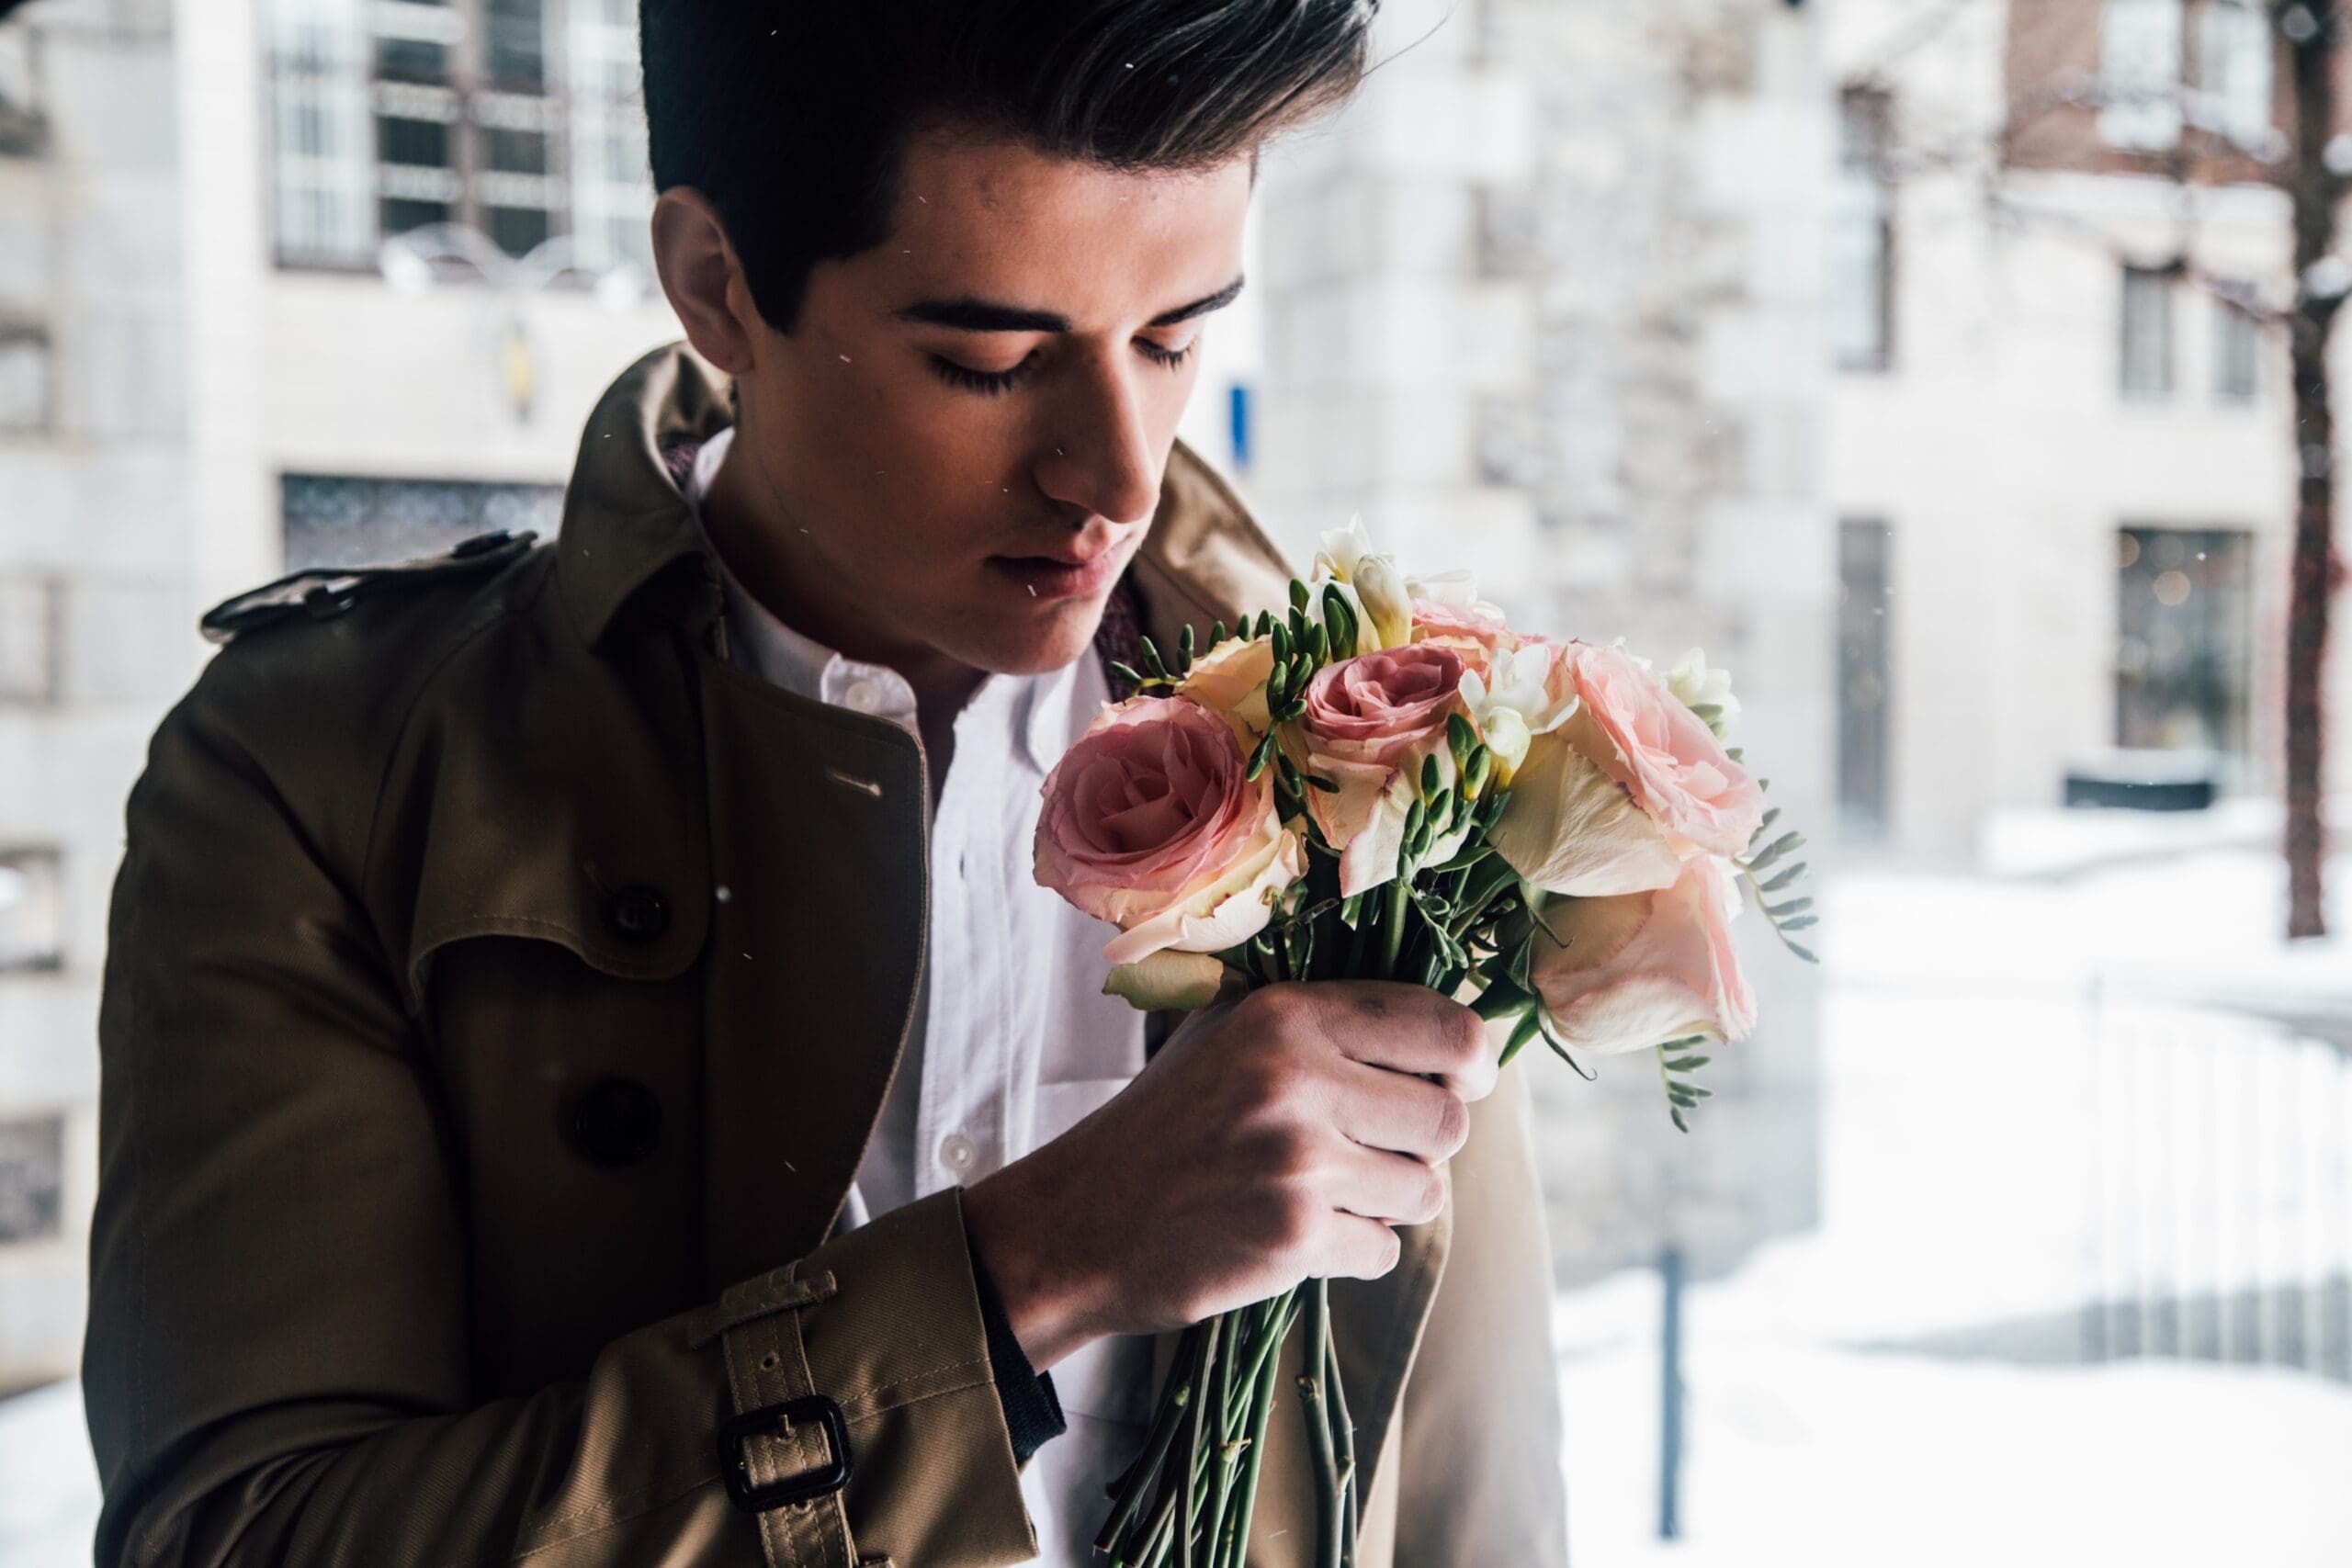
1273	1139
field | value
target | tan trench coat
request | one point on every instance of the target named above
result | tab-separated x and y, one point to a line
468	1154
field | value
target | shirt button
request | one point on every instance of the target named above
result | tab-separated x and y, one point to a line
863	695
956	1153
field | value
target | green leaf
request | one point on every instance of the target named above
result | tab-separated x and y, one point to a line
1316	646
1688	1064
1151	656
1430	777
1217	633
1297	594
1700	1090
1329	786
1771	815
1799	922
1774	850
1528	1027
1127	672
1782	878
1265	626
1793	907
1342	619
1803	953
1678	1122
1281	643
1184	649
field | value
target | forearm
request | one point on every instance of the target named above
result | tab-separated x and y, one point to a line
622	1466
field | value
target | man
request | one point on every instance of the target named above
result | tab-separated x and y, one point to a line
587	1078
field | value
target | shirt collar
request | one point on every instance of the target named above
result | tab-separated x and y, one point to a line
1042	721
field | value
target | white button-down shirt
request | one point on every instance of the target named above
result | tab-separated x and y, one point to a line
1012	1041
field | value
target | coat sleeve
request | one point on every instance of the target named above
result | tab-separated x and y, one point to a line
1480	1466
262	1389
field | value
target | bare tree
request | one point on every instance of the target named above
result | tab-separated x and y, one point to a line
2310	163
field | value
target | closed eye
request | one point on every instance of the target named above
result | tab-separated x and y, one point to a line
990	383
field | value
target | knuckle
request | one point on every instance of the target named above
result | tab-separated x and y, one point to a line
1391	1247
1452	1128
1433	1195
1469	1033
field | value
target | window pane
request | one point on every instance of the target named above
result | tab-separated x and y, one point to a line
337	520
2139	73
2233	49
32	915
2183	644
33	1178
2147	333
1861	236
1865	676
2237	354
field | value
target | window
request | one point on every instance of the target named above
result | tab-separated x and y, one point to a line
24	376
2237	353
2234	60
29	628
32	915
33	1178
24	133
336	520
2138	73
1863	236
2147	333
1864	674
520	119
2184	639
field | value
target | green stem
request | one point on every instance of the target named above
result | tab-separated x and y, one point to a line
1195	1448
1393	932
1237	1536
1312	1383
1343	1434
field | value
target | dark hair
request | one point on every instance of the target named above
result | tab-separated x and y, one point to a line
792	116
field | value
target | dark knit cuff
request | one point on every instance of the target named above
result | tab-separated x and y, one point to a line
1033	1411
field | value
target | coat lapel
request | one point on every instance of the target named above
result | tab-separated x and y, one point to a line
819	834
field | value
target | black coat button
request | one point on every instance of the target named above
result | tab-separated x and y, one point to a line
617	1121
638	914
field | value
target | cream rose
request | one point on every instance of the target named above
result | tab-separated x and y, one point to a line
1640	969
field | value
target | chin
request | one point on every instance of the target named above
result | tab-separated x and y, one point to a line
1048	643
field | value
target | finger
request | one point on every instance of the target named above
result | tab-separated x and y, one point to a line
1410	1029
1383	1109
1359	1249
1398	1189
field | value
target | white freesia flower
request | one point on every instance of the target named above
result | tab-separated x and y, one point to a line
1698	686
1519	702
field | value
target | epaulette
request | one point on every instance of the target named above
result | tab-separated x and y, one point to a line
322	591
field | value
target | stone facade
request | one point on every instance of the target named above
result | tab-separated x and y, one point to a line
1546	301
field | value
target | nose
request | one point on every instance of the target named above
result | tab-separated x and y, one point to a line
1102	458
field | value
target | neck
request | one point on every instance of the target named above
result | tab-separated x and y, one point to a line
762	547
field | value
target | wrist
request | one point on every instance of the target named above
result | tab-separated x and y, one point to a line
1046	1300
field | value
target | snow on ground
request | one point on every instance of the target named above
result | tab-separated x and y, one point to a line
2020	1115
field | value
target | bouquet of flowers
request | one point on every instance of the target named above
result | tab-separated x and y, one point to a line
1388	782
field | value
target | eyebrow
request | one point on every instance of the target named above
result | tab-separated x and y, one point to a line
972	315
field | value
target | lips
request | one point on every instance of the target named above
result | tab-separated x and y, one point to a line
1062	574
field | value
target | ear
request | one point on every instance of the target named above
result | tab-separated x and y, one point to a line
704	279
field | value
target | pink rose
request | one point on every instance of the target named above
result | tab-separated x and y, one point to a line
1152	823
1476	636
1370	722
1642	968
1638	732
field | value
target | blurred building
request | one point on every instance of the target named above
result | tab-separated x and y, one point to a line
1547	300
205	376
2062	450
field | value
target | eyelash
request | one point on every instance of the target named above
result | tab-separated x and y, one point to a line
992	383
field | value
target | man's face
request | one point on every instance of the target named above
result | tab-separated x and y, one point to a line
964	436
